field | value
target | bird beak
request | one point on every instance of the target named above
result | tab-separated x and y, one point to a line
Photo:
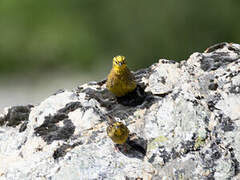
120	64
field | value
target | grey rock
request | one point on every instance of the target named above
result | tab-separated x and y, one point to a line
187	120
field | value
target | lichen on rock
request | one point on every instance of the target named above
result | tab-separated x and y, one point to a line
188	123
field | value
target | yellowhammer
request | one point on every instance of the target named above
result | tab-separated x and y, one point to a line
120	80
118	132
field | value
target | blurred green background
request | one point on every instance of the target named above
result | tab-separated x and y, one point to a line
47	45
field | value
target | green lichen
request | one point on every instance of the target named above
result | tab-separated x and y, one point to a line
156	141
200	141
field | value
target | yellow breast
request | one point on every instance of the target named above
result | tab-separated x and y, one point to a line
121	83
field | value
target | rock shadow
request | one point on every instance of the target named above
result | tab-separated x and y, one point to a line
133	98
135	147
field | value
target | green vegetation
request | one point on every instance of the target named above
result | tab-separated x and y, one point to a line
200	141
39	36
156	141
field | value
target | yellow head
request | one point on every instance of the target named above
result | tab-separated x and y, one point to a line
119	63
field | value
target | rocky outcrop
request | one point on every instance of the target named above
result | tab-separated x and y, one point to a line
188	124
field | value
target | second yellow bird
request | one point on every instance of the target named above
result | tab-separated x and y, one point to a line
118	132
120	80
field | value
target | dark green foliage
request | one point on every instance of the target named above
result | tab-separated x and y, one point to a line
38	36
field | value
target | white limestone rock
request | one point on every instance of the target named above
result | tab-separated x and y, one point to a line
188	124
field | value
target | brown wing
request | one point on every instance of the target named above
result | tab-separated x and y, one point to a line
110	80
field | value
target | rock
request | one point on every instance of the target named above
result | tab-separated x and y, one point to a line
188	123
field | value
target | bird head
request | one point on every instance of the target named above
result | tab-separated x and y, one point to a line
119	62
115	129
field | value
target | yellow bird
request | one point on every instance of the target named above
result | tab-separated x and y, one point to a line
120	80
118	132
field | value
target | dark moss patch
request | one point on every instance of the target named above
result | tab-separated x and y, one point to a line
216	60
72	106
16	115
62	150
51	131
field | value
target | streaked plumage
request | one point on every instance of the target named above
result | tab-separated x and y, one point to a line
120	80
